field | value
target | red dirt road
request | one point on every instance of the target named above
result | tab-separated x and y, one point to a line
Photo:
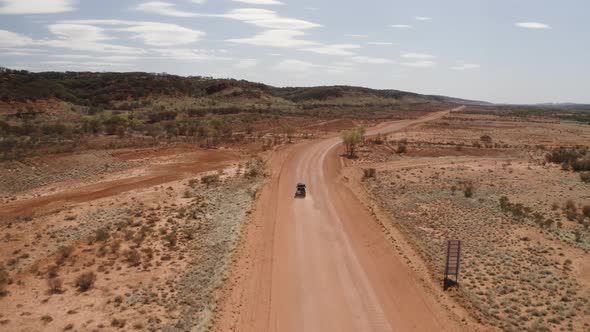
322	263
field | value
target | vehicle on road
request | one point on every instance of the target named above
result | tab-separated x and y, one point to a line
300	190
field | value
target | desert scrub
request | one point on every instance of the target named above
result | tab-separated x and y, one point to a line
85	281
210	233
369	173
4	279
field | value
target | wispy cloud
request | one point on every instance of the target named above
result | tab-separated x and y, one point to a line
356	35
371	60
401	26
187	54
334	49
532	25
25	7
163	8
260	2
268	19
276	38
466	66
151	33
422	18
377	43
417	56
419	64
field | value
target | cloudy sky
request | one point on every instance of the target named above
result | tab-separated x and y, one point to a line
512	51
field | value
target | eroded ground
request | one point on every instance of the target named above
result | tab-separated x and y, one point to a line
526	257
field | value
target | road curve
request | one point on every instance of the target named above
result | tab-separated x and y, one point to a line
322	263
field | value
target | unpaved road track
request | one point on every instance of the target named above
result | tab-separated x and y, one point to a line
322	263
200	161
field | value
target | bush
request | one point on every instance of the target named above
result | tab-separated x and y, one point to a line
369	173
4	279
564	156
102	235
486	139
52	271
402	148
64	253
570	205
55	285
210	179
586	210
581	165
119	323
133	257
170	238
85	281
468	190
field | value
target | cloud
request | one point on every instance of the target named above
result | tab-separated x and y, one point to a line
422	18
401	26
276	38
532	25
83	64
164	34
185	54
200	2
260	2
371	60
466	66
24	7
334	49
296	66
83	37
381	43
114	58
268	19
151	33
263	18
246	63
357	35
13	39
417	56
419	64
163	8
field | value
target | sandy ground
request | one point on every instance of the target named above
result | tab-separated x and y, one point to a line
168	240
322	263
517	273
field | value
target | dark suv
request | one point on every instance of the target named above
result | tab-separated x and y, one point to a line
300	190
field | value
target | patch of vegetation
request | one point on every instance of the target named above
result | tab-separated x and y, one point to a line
351	139
85	281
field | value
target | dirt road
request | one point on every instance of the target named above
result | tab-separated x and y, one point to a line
190	164
322	263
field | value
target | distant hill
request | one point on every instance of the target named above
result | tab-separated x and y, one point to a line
103	89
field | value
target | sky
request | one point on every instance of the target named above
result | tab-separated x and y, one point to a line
503	51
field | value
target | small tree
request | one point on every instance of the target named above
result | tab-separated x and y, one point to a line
351	139
289	131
